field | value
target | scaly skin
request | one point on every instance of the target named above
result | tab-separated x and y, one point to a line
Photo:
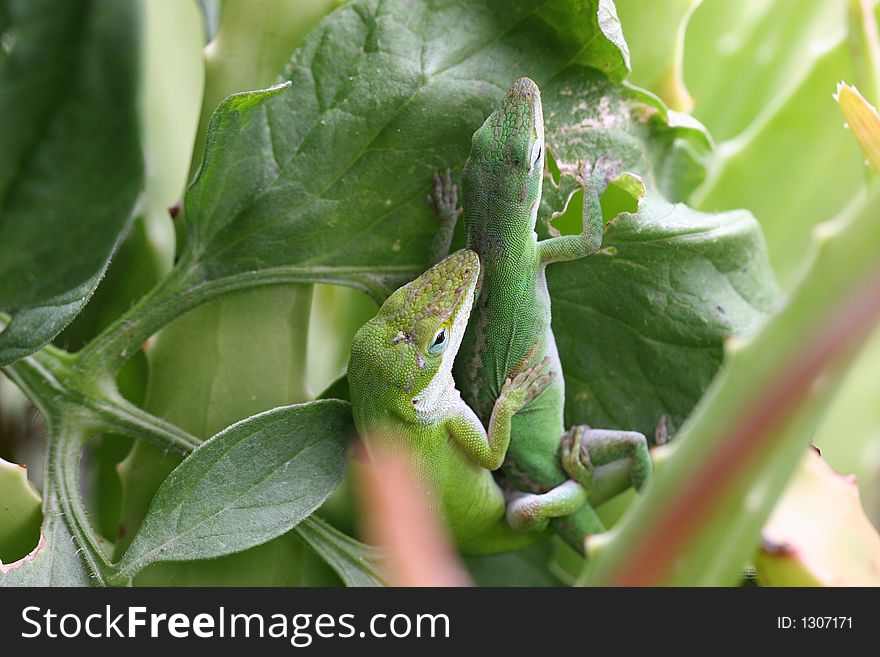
510	329
404	401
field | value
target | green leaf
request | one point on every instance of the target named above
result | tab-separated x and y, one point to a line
301	190
71	163
356	563
246	485
20	516
702	517
655	33
640	325
33	325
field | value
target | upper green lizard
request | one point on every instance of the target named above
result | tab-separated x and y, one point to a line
510	330
404	401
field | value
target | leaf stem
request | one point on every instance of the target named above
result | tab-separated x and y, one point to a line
102	358
128	419
865	46
65	447
53	386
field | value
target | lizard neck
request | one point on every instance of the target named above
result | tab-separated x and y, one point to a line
499	217
507	240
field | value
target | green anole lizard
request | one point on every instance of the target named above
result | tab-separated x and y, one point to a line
510	330
405	402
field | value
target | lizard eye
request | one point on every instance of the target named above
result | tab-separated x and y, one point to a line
537	157
438	345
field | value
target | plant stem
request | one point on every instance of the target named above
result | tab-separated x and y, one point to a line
126	418
102	358
865	46
50	382
62	465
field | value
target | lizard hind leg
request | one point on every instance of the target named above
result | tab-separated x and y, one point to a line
592	456
443	200
532	512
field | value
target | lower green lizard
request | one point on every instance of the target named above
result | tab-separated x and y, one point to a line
405	402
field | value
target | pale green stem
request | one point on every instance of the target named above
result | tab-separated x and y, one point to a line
865	46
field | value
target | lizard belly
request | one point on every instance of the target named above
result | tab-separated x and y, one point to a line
475	510
472	501
509	331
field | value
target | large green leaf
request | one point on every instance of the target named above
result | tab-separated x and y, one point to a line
245	486
71	164
326	182
640	332
640	325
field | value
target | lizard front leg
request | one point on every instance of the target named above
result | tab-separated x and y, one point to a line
443	201
488	448
572	247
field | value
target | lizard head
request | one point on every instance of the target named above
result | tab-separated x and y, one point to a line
403	357
507	154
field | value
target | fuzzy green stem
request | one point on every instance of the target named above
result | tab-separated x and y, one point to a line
102	358
62	461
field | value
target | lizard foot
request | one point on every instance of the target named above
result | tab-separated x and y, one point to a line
443	202
444	198
575	457
583	449
528	384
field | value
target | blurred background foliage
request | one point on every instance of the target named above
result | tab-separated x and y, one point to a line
762	75
759	74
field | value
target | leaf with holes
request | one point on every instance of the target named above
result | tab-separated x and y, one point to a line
640	325
326	181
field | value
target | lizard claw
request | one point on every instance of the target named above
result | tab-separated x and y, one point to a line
444	198
443	201
575	457
529	383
